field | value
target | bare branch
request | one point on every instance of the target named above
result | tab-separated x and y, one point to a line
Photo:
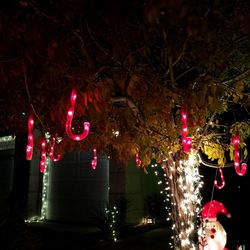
130	104
29	98
171	71
212	165
181	54
237	78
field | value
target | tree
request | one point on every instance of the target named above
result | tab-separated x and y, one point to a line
134	64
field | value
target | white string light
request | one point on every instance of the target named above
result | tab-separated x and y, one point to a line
185	186
44	205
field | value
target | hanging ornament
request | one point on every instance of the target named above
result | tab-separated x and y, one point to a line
186	141
215	236
52	149
239	168
137	160
222	180
29	147
43	155
70	114
94	162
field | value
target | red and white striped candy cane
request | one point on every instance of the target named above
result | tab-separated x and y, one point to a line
30	145
186	141
94	161
52	149
222	180
43	155
70	114
239	168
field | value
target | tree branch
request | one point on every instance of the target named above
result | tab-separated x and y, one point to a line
129	103
29	98
171	71
212	165
237	78
204	131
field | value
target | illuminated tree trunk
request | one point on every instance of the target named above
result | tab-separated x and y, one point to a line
184	184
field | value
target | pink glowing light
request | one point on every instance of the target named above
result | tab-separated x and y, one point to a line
239	168
137	160
94	161
222	180
29	147
52	149
70	115
43	155
186	141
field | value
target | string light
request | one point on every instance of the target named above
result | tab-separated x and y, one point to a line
29	147
240	169
185	200
164	184
7	142
44	205
45	189
111	215
94	161
222	180
70	114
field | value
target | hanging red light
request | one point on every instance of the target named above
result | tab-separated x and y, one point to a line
70	114
186	141
239	168
137	160
29	147
43	155
222	180
94	162
52	149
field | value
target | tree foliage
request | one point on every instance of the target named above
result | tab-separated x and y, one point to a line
133	63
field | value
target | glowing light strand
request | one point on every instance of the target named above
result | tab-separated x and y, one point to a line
94	161
222	180
29	147
70	114
163	183
240	169
52	149
186	141
44	206
45	189
111	215
185	200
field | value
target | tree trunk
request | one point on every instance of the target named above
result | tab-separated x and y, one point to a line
184	184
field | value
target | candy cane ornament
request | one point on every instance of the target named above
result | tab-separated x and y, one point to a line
30	145
137	160
239	168
43	155
52	149
186	141
94	162
70	114
222	180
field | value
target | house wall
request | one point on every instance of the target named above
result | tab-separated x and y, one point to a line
6	169
76	192
130	187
